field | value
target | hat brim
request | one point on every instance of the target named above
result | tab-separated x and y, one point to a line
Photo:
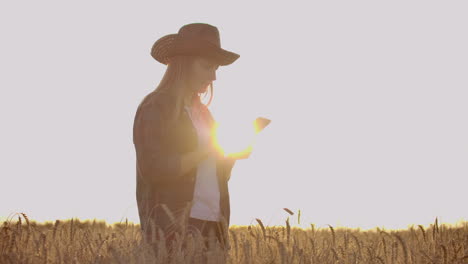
162	47
168	46
222	57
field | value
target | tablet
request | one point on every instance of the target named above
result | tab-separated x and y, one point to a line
260	123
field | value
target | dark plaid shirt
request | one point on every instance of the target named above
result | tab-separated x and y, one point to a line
160	185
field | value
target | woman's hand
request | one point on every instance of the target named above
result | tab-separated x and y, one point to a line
208	150
245	154
192	159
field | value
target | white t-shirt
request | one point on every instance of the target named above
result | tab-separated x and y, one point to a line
206	196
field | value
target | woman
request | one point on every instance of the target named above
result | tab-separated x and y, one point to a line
182	179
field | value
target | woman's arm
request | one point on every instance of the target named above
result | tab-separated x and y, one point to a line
226	164
192	159
156	161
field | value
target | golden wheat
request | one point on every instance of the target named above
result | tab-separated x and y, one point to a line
74	241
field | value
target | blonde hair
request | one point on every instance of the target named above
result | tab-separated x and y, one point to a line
175	83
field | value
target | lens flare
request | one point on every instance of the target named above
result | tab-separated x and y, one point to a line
237	138
234	138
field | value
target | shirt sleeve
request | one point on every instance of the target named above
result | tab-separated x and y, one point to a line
227	165
156	161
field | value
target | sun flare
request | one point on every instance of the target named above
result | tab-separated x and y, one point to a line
234	138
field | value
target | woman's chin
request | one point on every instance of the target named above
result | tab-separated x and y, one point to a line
203	90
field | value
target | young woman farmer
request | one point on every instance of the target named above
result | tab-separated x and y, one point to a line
182	180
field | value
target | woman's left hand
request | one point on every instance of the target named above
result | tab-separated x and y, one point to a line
245	154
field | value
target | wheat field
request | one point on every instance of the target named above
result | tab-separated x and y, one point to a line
73	241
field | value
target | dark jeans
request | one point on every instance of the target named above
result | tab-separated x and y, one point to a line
209	230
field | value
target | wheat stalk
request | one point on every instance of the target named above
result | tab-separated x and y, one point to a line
261	226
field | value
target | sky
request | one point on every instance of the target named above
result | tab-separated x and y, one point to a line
367	101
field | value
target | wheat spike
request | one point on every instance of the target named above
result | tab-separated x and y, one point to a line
288	211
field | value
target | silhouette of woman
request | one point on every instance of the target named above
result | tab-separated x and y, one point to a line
182	180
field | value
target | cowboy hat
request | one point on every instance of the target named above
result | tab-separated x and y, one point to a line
193	39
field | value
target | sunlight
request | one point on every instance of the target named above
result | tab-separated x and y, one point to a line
237	138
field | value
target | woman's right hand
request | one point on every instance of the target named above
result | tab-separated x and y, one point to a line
208	150
192	159
245	154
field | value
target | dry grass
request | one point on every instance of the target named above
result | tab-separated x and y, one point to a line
73	241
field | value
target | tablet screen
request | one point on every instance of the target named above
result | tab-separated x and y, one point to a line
260	123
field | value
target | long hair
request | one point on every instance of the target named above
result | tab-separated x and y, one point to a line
175	83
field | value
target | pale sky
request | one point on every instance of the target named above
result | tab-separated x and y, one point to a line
368	102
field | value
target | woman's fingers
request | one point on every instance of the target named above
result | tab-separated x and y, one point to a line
245	154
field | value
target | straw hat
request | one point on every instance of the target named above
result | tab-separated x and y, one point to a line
193	39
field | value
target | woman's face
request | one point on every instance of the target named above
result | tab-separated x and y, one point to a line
203	74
